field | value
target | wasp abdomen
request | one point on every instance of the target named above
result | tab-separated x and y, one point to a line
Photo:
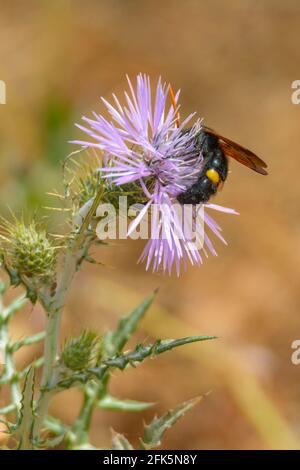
214	172
199	192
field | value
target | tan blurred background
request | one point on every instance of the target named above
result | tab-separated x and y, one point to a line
234	62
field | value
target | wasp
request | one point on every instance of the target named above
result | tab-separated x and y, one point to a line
215	150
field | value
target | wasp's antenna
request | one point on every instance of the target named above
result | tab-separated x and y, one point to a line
173	101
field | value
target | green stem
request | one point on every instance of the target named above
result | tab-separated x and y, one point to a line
50	351
54	307
79	435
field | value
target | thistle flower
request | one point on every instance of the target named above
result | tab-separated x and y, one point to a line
143	143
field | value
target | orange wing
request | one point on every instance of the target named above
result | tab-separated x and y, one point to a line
239	153
173	101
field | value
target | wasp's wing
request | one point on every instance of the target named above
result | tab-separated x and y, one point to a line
239	153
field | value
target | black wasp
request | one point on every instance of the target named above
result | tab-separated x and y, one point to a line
215	150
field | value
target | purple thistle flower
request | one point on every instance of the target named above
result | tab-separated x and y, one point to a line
143	144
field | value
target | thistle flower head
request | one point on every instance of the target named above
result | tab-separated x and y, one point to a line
28	249
143	143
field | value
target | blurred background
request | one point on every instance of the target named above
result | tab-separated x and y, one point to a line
234	62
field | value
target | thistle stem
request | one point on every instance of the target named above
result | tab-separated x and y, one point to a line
79	434
50	351
54	307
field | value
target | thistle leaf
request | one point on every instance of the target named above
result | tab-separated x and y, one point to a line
9	426
85	446
7	409
31	295
114	341
23	429
51	442
141	351
14	307
154	431
14	277
120	361
89	259
36	364
28	340
111	403
55	426
3	285
119	442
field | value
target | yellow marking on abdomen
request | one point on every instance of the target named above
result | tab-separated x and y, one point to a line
213	175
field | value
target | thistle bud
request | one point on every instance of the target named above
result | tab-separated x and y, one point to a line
30	251
79	353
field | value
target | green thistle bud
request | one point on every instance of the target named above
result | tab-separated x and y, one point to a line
80	353
29	250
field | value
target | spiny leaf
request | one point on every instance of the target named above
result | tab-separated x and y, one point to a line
55	425
114	341
14	277
85	446
23	430
111	403
27	341
31	295
155	430
36	364
141	351
10	426
15	305
119	442
120	361
3	287
7	409
50	442
89	259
